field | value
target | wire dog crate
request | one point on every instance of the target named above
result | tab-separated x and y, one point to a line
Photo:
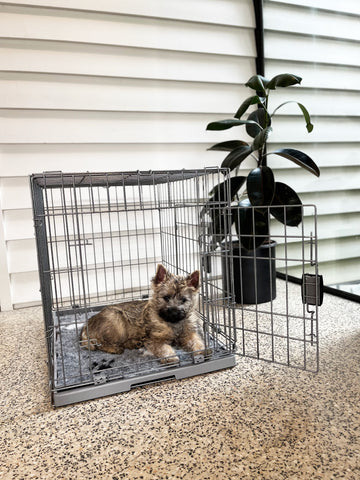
100	237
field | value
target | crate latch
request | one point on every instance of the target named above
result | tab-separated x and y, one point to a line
312	293
312	289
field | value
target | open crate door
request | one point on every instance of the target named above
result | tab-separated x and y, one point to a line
273	292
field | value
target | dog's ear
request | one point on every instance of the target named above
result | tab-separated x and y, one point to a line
193	280
161	274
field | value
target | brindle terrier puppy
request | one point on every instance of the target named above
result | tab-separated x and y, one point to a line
166	319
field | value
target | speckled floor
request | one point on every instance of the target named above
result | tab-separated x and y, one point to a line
256	421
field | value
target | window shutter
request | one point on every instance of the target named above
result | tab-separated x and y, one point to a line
89	85
319	41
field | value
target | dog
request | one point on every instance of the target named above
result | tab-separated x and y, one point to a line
165	320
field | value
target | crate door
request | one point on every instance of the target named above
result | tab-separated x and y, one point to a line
282	326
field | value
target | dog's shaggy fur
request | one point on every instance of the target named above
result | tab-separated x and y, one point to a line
165	320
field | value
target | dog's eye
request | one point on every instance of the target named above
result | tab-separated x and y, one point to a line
183	300
166	298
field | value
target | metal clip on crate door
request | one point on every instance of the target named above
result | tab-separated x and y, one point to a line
312	289
312	292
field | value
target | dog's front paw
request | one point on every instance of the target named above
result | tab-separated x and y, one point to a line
164	352
170	360
207	352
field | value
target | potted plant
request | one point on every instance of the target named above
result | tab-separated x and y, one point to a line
257	196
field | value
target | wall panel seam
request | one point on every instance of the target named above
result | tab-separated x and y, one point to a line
119	14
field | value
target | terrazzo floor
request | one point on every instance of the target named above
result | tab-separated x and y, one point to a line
256	421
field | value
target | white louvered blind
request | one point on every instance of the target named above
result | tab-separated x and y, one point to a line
319	41
110	85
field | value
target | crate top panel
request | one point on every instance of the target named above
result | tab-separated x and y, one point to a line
105	179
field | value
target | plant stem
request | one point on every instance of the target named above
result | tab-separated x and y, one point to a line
262	156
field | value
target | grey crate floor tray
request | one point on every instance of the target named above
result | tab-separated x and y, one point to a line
100	373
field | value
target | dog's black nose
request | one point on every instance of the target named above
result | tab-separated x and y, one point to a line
172	314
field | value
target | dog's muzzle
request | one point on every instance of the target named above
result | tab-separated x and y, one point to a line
172	315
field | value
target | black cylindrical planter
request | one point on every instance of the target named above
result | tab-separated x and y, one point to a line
254	273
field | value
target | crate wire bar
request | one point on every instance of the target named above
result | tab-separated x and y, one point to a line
100	237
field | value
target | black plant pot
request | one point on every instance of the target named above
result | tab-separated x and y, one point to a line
254	273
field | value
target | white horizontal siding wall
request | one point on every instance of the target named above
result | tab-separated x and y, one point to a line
319	41
110	85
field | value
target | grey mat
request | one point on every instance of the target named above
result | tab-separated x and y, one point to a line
74	365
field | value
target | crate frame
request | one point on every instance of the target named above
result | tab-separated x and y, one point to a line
181	199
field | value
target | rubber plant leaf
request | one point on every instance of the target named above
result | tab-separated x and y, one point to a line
219	226
283	80
216	207
236	157
259	120
227	123
227	146
261	138
257	83
300	158
286	205
260	186
246	104
220	193
306	114
251	225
